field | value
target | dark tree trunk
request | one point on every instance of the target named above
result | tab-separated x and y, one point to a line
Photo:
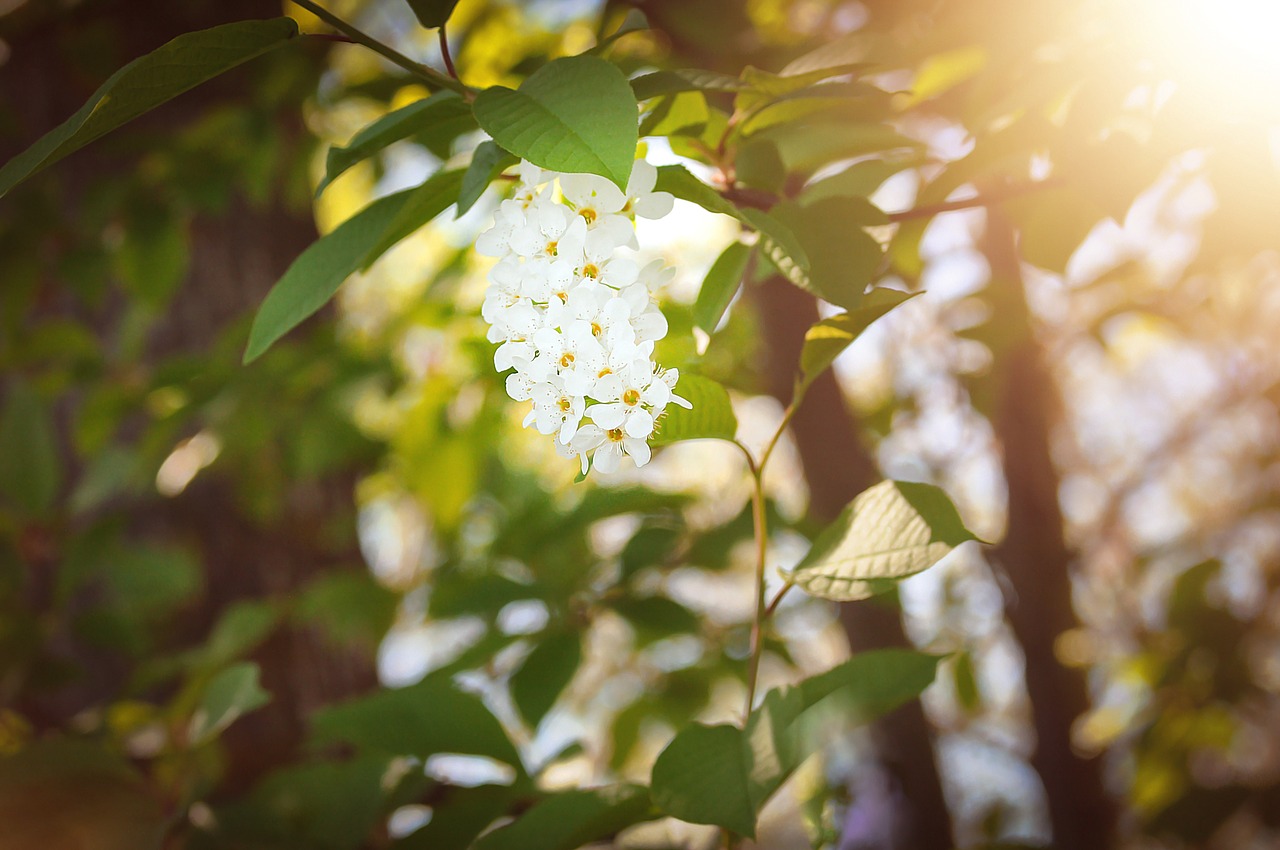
837	467
1035	557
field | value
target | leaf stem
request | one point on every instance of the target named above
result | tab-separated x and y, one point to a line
429	75
448	58
759	523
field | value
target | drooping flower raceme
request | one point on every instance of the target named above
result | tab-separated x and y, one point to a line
575	317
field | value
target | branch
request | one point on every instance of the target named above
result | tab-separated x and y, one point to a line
430	75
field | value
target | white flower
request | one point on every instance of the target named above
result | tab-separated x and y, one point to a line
609	447
575	355
575	319
550	231
641	199
599	203
496	241
629	399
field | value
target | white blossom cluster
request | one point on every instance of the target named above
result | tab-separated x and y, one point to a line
575	316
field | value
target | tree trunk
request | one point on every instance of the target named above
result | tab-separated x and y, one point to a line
1035	557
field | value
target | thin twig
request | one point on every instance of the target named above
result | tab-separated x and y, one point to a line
430	75
448	58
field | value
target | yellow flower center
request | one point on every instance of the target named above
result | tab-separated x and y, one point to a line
563	296
565	404
553	248
566	359
591	270
631	397
589	214
596	329
605	371
614	434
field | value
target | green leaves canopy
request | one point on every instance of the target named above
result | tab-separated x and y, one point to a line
145	83
576	114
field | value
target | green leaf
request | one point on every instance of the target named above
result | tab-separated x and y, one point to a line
459	817
145	83
322	805
703	777
242	626
777	241
682	114
687	79
153	255
843	257
711	418
633	21
825	340
487	162
575	114
891	531
421	205
570	819
441	108
30	468
430	717
315	276
547	671
229	695
857	181
432	13
657	617
844	52
719	286
724	775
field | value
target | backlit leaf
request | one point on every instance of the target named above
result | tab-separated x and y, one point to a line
575	114
893	530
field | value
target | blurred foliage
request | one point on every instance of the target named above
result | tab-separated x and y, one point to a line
203	563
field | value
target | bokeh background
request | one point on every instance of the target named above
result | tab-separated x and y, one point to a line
1086	192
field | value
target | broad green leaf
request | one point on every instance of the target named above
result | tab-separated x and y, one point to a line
843	258
657	617
825	340
575	114
777	241
150	581
681	114
321	804
891	531
568	820
808	146
229	695
633	21
703	776
487	162
857	47
688	79
153	255
724	775
145	83
763	87
441	108
313	278
859	180
719	286
460	816
712	415
430	717
851	100
432	13
547	671
30	468
942	72
758	164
